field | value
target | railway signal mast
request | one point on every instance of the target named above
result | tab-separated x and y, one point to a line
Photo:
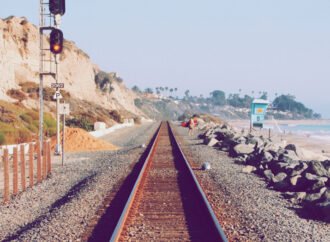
50	20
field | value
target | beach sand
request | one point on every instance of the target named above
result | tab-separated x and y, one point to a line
313	148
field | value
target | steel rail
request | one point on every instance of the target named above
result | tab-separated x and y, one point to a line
216	224
208	209
122	219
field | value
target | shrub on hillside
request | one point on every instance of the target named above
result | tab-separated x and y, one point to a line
80	122
138	102
26	118
16	94
137	120
2	138
24	136
49	125
115	115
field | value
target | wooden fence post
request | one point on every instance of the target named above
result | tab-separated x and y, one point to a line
38	162
23	183
15	171
49	165
31	160
44	160
6	175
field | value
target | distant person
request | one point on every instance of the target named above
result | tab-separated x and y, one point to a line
191	125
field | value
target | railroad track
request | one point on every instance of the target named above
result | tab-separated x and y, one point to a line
166	202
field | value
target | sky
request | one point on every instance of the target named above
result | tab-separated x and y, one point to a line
278	46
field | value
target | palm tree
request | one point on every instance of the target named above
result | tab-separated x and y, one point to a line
171	90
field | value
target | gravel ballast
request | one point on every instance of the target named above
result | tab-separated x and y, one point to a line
60	208
249	210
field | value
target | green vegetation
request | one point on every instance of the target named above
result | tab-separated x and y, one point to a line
80	122
218	98
138	102
32	90
19	124
288	103
236	101
136	89
104	81
115	115
2	138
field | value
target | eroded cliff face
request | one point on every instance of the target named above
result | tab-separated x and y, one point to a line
19	63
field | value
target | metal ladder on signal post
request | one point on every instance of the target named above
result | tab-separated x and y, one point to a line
48	67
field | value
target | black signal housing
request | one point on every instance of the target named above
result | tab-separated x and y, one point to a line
57	7
56	41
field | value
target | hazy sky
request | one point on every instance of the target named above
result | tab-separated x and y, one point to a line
278	46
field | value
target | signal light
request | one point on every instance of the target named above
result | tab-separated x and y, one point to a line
57	7
56	41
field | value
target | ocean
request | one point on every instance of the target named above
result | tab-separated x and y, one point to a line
318	131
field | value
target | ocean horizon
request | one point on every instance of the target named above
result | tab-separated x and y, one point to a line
317	131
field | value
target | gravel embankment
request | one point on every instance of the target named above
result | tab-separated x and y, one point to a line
249	211
60	208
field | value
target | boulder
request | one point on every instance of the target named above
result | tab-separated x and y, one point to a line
312	177
317	186
295	179
243	149
317	168
299	169
298	197
326	164
266	157
287	156
279	177
280	182
240	139
207	139
212	142
225	134
315	197
295	149
254	140
268	175
277	166
271	147
249	169
241	160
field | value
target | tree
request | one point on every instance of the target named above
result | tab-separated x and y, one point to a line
186	93
171	91
218	98
288	103
264	96
136	89
148	90
236	101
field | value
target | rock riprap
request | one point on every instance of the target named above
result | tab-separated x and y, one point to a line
304	182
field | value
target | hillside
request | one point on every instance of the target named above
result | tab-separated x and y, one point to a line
234	107
19	63
94	95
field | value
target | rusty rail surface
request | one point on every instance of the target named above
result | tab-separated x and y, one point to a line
166	202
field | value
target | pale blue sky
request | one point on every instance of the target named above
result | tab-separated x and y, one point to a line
278	46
